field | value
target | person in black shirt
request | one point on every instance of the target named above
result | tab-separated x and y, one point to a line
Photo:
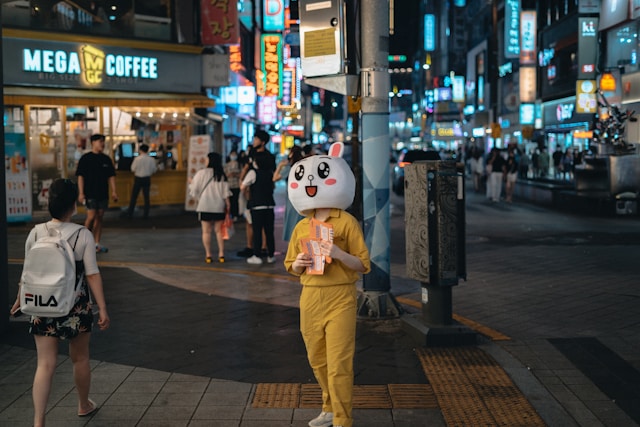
96	174
259	180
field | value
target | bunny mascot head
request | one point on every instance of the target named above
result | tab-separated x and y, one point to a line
321	181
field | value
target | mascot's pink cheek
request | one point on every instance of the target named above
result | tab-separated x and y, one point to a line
294	185
330	181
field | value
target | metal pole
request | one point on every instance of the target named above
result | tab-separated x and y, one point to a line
4	237
376	300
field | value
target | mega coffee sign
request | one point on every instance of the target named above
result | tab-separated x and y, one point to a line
90	64
86	66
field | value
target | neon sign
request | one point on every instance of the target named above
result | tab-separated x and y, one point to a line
272	63
91	63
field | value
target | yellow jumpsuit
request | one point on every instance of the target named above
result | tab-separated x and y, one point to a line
328	305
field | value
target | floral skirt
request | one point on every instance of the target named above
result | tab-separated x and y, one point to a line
79	319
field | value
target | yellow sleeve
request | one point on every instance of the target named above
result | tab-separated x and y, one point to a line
300	231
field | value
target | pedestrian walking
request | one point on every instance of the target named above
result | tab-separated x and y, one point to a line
476	165
76	327
142	167
496	172
259	181
211	188
511	175
258	145
329	296
96	174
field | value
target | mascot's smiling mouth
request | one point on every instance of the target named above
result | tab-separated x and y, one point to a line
311	190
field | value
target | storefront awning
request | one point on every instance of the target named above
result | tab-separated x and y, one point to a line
15	95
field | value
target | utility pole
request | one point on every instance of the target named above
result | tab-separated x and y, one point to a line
376	301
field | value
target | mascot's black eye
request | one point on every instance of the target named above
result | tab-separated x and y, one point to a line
323	170
299	173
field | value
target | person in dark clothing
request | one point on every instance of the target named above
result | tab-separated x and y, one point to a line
511	169
96	174
557	162
259	180
259	145
496	167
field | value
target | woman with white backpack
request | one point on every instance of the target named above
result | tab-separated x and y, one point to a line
75	326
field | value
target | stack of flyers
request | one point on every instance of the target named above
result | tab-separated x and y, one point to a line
312	247
321	231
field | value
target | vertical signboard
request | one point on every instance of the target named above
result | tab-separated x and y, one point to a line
457	90
480	76
288	88
587	47
586	97
235	59
511	29
429	33
271	54
267	110
219	22
273	16
528	37
199	147
527	84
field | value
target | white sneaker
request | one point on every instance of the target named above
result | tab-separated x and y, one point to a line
254	260
325	419
271	259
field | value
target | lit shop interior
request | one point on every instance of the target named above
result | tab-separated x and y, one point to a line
45	142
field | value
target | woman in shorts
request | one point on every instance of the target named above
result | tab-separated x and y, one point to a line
211	188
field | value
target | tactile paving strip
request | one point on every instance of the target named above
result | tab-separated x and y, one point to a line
392	396
473	390
277	395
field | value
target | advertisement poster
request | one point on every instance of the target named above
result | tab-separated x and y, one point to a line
199	147
19	208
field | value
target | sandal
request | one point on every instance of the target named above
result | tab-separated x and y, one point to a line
221	259
93	409
208	260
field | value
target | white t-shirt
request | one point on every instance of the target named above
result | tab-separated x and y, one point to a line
211	195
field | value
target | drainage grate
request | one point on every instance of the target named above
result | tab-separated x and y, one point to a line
472	389
392	396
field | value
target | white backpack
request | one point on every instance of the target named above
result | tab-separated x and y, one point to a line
48	282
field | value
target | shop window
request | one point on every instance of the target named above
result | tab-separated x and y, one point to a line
622	47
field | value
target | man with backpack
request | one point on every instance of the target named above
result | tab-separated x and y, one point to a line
44	289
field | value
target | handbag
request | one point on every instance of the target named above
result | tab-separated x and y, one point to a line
228	229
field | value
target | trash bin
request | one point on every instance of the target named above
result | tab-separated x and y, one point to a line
627	203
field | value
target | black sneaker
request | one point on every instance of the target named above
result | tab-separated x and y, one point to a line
246	253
